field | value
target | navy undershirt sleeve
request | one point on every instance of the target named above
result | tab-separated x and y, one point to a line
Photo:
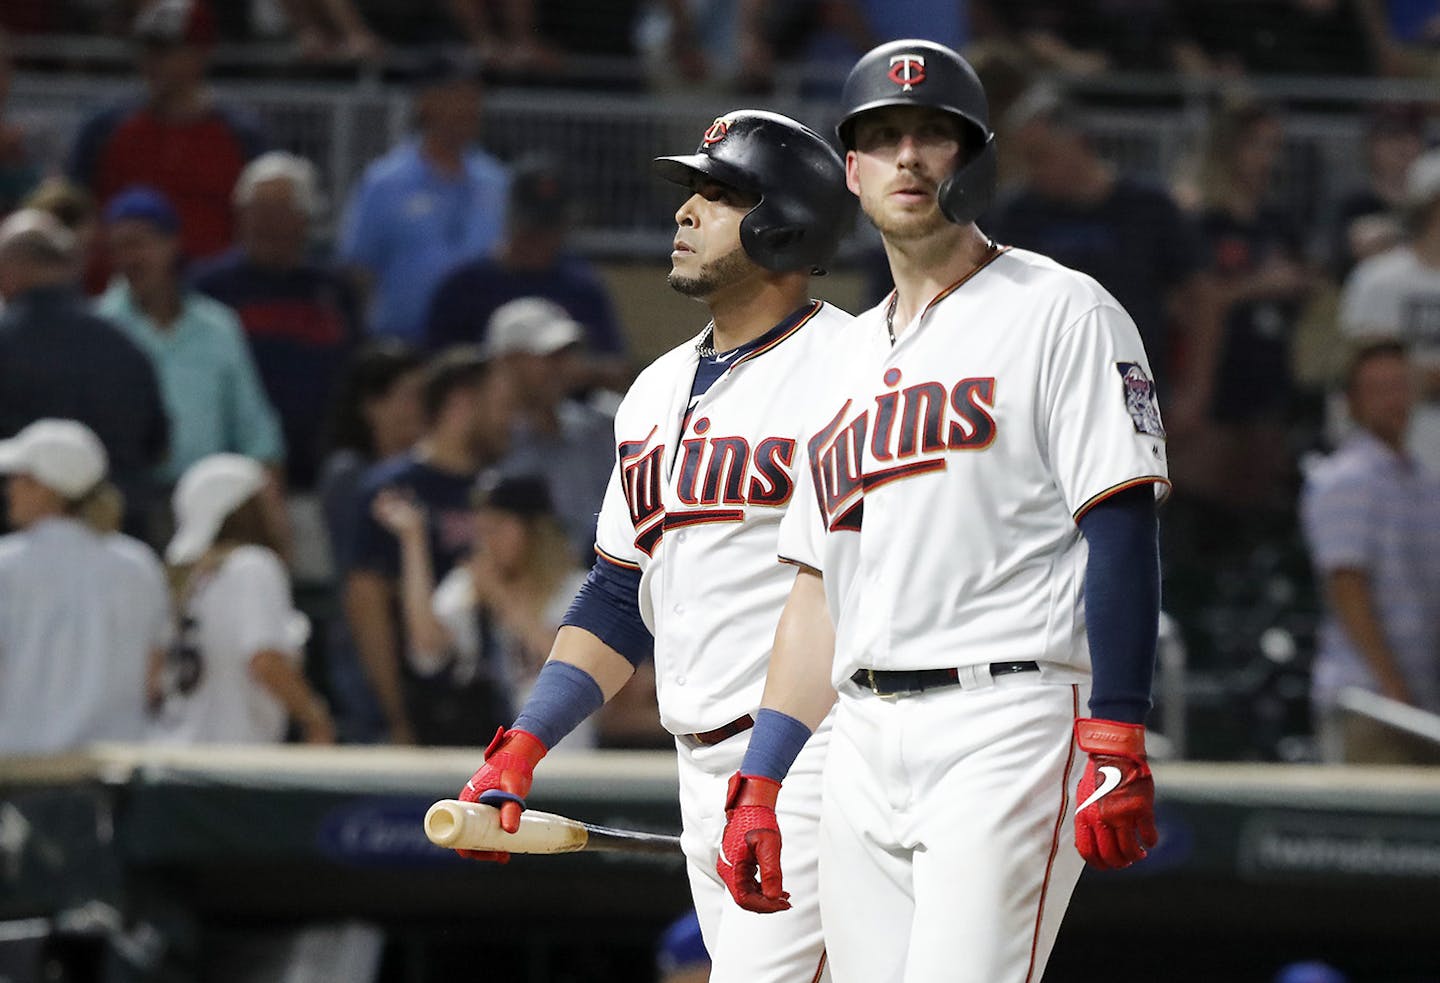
563	696
1122	602
608	607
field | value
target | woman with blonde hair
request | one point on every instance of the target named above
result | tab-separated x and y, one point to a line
478	640
233	674
82	608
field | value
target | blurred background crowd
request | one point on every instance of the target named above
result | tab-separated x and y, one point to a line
407	257
316	312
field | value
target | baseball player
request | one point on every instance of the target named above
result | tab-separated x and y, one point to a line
977	512
707	442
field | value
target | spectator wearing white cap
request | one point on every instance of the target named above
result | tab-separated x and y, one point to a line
60	361
233	674
568	443
82	609
1397	295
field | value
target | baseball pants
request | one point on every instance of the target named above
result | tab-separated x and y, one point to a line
746	947
947	850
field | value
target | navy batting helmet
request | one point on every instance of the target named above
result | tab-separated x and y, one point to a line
804	209
923	73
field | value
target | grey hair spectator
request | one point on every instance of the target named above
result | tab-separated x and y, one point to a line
280	165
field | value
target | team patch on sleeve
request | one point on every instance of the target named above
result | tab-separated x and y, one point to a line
1140	401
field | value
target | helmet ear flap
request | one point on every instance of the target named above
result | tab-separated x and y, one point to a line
781	238
966	193
768	239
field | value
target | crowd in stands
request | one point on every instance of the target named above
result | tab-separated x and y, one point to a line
271	415
416	422
741	43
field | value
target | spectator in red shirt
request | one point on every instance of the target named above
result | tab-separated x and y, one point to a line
179	140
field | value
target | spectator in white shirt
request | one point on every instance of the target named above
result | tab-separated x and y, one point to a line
82	608
234	672
1397	295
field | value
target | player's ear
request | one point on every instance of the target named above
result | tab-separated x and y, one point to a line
852	179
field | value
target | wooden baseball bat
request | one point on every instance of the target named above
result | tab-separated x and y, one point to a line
472	826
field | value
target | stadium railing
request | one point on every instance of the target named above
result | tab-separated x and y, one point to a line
1148	125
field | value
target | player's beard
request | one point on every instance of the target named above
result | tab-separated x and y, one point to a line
713	276
905	226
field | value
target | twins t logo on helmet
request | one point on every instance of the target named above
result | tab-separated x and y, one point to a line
907	71
717	131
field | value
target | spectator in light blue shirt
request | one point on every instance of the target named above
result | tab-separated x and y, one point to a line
427	206
1372	518
211	390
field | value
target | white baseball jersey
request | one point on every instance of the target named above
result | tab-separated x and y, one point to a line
238	610
697	510
80	613
945	477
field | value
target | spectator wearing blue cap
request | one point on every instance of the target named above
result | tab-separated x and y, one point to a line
681	956
211	390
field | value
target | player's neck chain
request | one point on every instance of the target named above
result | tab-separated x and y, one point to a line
706	348
991	248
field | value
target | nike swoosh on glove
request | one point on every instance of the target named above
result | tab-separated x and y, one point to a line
1115	821
504	781
751	845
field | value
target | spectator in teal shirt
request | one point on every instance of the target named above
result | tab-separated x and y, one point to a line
211	390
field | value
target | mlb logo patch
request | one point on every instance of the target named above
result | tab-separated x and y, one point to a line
1140	400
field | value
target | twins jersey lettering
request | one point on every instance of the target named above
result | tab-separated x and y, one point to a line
1026	393
695	503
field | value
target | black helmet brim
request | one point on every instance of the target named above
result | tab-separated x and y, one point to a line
684	170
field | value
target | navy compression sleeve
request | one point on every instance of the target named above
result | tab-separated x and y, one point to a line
1122	602
563	696
608	607
774	745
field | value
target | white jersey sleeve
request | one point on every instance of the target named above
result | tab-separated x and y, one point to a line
1101	414
802	530
260	614
614	530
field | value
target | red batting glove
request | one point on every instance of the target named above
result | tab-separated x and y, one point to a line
752	844
504	781
1115	822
